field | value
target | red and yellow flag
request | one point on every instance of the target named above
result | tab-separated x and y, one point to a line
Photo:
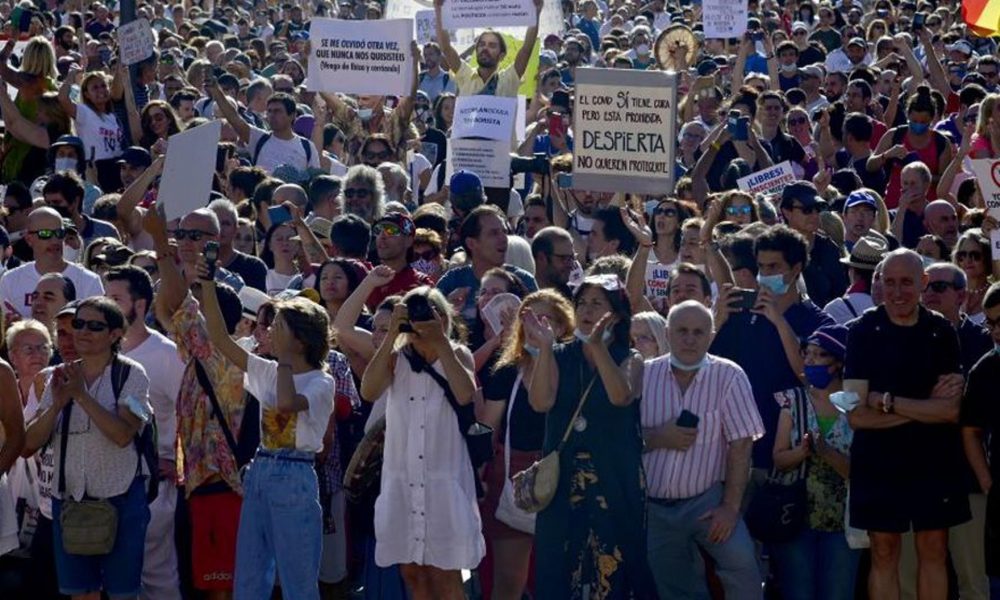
982	16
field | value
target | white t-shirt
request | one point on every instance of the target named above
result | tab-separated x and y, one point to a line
276	282
17	285
277	152
101	134
158	355
302	430
657	277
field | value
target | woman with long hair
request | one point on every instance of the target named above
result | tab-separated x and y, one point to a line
592	534
281	521
96	124
33	80
336	278
522	431
444	111
158	122
972	255
426	517
280	254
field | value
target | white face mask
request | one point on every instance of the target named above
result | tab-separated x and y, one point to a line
642	49
65	164
790	68
586	338
70	254
365	113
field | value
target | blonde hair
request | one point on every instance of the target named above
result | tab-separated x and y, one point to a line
27	325
513	351
657	326
986	109
39	58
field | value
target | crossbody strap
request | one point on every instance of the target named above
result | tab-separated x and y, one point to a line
419	365
576	413
63	442
206	385
506	435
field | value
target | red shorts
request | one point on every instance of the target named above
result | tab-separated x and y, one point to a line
215	520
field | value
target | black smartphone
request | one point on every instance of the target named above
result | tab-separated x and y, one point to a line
687	419
211	257
918	21
746	300
279	215
757	35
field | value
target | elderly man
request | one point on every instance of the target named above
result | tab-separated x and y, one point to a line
940	219
364	193
52	292
903	368
692	397
908	223
195	231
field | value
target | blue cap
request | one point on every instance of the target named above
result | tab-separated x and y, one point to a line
465	183
860	197
832	338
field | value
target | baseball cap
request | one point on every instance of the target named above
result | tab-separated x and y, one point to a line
136	156
465	183
252	299
812	71
832	338
401	220
799	25
69	308
804	192
960	46
707	67
857	42
548	57
860	197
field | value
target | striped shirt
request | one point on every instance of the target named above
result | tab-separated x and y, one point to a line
721	397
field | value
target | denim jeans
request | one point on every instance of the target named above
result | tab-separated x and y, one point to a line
281	527
673	531
817	565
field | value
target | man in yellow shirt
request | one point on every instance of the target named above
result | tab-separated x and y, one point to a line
487	78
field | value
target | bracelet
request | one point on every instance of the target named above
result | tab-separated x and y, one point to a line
887	404
647	244
716	146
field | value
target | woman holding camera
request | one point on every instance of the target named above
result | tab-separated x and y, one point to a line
426	518
592	533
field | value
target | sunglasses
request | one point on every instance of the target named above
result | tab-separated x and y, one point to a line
798	121
151	269
377	155
194	235
735	211
357	193
666	212
806	210
389	229
48	234
426	255
96	326
975	255
941	287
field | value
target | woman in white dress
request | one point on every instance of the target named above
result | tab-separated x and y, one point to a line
426	517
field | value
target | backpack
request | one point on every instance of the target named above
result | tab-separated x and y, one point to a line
245	447
145	440
267	136
940	142
423	76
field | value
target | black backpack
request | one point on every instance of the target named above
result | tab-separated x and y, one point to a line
245	447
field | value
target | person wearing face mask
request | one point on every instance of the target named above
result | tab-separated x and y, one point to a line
67	154
814	438
641	52
697	468
779	319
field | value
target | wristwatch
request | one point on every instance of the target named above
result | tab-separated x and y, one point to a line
887	404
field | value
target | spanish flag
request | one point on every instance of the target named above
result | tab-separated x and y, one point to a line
982	16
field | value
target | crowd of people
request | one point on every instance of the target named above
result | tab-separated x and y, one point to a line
355	374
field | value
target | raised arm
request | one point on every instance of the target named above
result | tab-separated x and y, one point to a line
134	120
65	101
173	288
936	75
19	126
379	372
11	419
128	216
444	40
229	113
360	340
528	48
544	382
216	324
619	381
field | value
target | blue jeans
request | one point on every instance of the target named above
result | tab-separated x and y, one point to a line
817	565
281	526
673	531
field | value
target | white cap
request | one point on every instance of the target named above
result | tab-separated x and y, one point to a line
252	299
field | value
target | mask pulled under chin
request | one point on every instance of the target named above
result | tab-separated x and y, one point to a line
677	364
583	337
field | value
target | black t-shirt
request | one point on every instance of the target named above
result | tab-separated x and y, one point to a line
527	431
784	147
825	276
907	362
250	268
975	341
872	180
980	407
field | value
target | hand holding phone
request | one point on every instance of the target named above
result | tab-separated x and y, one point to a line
687	419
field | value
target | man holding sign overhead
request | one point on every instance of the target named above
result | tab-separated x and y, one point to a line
487	79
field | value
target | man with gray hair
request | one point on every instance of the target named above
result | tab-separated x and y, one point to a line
196	229
364	193
250	269
396	182
692	396
908	222
941	219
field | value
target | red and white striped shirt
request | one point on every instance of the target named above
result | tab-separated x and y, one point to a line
721	397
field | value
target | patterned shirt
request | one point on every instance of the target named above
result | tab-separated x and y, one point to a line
330	468
721	397
202	451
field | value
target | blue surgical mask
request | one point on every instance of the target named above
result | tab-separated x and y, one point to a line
365	113
919	128
65	163
818	376
775	283
532	351
677	364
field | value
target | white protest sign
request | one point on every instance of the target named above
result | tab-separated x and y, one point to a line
988	175
135	40
995	243
423	26
464	14
187	173
768	181
490	159
520	130
361	57
550	21
625	130
723	19
489	117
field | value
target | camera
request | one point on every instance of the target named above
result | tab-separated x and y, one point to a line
211	257
539	164
418	310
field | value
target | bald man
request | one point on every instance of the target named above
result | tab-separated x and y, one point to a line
903	366
46	236
196	229
941	219
695	495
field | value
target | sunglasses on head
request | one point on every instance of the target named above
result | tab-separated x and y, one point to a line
975	255
666	211
356	193
734	211
194	235
941	286
389	229
48	234
96	326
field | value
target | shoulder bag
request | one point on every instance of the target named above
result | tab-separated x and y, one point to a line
508	512
535	486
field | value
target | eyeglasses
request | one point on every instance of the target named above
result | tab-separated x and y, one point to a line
806	210
30	349
96	326
383	155
389	229
48	234
357	193
735	211
665	211
798	121
975	255
941	287
194	235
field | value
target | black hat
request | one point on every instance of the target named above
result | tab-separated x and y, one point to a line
136	156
